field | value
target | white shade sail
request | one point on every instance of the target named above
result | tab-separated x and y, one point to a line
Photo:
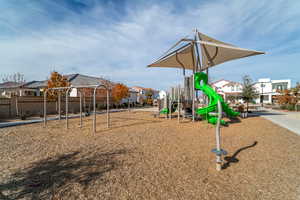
181	58
213	52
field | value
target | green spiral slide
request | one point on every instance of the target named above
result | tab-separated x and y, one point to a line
200	79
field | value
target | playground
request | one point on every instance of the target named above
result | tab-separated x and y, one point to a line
194	146
142	157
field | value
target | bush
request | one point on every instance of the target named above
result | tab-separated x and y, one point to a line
283	107
291	107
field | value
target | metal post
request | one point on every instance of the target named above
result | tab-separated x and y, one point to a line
59	106
80	108
17	107
218	139
45	108
67	107
262	94
94	122
84	103
107	108
166	103
193	98
128	104
170	105
178	106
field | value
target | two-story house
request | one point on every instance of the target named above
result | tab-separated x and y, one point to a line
268	89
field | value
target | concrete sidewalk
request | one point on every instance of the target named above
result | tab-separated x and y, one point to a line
39	120
288	120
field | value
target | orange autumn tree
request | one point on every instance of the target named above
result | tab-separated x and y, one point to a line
285	97
56	80
119	92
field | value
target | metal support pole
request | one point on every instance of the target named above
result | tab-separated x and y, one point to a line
170	105
128	104
67	107
45	108
218	139
166	103
94	122
84	103
107	108
193	98
178	106
59	106
80	108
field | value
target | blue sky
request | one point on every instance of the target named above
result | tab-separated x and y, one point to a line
116	39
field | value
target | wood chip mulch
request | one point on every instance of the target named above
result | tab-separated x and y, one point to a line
142	157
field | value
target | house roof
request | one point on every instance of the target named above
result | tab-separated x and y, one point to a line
10	84
74	79
79	79
35	84
219	81
232	83
138	88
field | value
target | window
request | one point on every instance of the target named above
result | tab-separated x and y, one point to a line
280	86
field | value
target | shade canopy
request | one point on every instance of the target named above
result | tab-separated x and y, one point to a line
181	58
213	52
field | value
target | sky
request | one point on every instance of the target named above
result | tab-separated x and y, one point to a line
117	39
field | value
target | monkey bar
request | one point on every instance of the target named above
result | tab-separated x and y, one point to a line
95	87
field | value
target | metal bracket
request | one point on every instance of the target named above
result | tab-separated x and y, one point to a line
219	153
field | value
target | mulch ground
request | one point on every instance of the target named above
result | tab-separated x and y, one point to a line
142	157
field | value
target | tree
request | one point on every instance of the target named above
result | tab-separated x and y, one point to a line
149	93
296	92
285	97
56	80
149	96
289	97
249	92
16	77
231	98
120	91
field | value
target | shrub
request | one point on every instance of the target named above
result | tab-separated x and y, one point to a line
283	107
291	107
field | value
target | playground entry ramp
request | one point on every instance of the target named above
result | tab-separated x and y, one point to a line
207	112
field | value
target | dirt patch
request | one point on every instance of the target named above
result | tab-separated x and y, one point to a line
142	157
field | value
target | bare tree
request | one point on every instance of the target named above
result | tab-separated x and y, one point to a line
15	77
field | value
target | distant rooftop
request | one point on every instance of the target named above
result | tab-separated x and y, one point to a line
10	84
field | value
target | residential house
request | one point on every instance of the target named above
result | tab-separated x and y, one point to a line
35	88
268	89
141	93
9	89
228	88
133	97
